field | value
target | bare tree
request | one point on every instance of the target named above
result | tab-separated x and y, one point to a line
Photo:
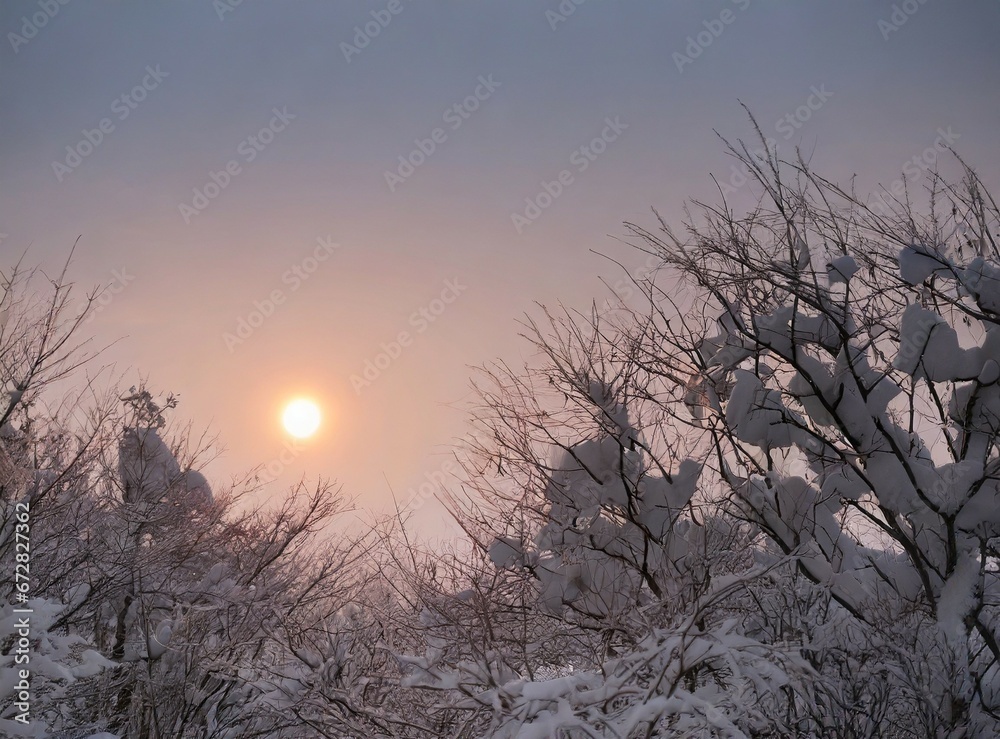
775	486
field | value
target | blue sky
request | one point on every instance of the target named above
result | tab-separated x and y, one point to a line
554	84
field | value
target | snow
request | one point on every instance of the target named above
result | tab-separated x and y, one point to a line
842	269
149	471
958	597
842	481
159	642
756	414
990	372
802	388
917	263
980	514
929	344
505	552
663	500
197	488
982	279
147	466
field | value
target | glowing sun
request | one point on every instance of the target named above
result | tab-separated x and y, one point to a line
301	418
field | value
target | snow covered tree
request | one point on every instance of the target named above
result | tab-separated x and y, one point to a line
158	608
776	485
585	500
208	591
45	463
847	394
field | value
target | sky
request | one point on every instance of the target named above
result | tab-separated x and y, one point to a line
279	197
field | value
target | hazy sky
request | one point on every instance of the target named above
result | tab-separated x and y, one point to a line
533	84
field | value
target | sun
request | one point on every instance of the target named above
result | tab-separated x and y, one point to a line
301	418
